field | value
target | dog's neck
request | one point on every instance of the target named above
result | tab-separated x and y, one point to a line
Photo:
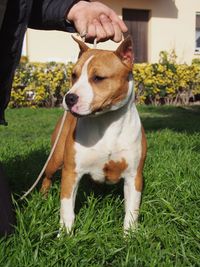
124	103
91	129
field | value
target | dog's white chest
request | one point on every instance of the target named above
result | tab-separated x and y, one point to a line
108	146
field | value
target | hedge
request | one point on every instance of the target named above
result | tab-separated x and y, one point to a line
170	84
40	84
44	84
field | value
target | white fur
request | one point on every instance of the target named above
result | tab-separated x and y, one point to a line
132	203
83	90
114	135
67	215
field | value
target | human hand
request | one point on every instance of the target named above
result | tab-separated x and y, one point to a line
96	20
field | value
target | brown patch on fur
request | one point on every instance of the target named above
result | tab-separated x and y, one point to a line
83	47
125	52
46	184
56	161
114	87
68	170
139	178
113	170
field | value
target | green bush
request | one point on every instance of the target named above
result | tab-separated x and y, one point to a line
40	84
166	82
196	61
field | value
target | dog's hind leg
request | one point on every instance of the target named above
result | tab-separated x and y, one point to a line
52	167
56	161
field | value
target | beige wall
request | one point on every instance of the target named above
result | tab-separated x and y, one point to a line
171	26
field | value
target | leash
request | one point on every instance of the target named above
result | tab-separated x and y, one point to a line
83	36
47	161
55	143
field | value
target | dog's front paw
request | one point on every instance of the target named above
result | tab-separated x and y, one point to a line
67	216
65	228
130	222
66	224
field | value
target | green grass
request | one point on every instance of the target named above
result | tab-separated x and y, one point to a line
169	228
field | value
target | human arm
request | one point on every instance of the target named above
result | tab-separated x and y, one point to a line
50	15
94	18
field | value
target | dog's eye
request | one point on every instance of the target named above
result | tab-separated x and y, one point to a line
97	78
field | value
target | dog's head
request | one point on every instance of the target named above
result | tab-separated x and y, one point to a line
101	80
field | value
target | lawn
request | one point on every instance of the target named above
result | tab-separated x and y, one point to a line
169	222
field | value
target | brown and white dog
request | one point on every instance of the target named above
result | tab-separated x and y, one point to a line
102	134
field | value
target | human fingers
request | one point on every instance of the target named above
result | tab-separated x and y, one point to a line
100	32
91	31
115	19
117	37
81	27
107	25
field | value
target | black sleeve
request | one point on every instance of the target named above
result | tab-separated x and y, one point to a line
50	15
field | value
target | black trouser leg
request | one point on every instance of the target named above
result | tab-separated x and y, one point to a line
7	217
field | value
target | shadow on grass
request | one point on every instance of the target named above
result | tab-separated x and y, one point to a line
179	119
99	190
23	171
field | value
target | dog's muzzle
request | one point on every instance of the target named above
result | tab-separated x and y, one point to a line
70	100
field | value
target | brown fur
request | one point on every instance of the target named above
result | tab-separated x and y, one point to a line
108	74
57	159
113	170
109	91
68	171
112	90
139	178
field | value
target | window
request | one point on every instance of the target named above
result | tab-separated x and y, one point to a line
197	37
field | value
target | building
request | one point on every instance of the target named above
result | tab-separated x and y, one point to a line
156	25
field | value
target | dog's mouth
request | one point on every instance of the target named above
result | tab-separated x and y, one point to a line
89	114
75	114
81	109
78	112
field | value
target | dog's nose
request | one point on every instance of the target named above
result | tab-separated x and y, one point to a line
71	99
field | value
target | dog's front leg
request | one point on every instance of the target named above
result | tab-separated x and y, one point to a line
132	204
69	186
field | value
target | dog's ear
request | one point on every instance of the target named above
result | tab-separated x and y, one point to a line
125	52
83	47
